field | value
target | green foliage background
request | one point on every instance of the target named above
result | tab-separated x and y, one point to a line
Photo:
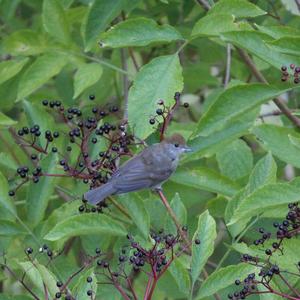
243	166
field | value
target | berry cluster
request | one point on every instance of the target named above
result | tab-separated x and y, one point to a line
153	261
166	113
83	129
286	229
285	73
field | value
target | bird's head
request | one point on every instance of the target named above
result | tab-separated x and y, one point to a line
177	144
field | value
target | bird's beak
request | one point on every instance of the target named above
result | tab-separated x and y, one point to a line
187	149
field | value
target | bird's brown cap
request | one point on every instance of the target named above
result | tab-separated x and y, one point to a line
175	138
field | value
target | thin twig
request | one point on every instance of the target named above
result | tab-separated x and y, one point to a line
119	207
125	84
204	4
22	282
174	218
259	76
298	4
135	63
228	65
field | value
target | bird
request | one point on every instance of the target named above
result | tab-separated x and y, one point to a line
147	170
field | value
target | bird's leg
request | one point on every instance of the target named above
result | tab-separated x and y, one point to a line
157	188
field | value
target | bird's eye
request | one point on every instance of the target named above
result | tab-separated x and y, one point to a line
176	145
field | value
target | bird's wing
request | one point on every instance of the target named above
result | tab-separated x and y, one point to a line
131	176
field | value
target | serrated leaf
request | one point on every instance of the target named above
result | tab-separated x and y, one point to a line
257	43
55	21
223	278
139	32
180	275
159	79
213	25
268	196
209	145
262	174
135	207
43	69
101	13
10	68
206	233
276	139
38	195
238	8
5	121
24	42
235	160
180	212
85	76
85	224
242	97
205	179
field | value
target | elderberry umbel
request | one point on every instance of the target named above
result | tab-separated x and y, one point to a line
266	247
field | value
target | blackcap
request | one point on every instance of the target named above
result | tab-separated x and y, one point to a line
149	169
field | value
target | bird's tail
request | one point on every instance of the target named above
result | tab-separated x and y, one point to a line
97	195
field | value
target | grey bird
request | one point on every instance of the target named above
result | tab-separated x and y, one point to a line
148	169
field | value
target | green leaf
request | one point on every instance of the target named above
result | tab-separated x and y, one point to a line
180	212
206	233
139	32
43	69
209	145
101	13
24	42
48	278
8	161
223	278
55	21
40	275
279	31
277	140
242	97
159	79
5	121
180	275
135	207
213	25
205	179
82	286
238	8
235	160
287	45
38	195
34	276
35	114
86	76
10	228
263	173
267	197
85	224
5	200
257	43
10	68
